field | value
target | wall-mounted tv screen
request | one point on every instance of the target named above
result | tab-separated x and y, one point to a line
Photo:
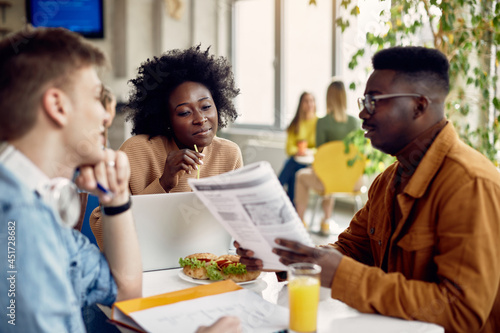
82	16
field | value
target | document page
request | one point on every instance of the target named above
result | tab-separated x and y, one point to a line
255	313
254	208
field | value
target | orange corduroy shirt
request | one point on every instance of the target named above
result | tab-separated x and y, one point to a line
443	257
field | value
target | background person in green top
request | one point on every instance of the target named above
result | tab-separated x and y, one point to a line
334	126
337	123
301	128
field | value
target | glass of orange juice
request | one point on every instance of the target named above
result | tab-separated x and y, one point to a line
303	294
302	147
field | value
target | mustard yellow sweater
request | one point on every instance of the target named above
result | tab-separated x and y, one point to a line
147	160
307	131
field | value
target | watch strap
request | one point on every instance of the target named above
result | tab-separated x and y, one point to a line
110	211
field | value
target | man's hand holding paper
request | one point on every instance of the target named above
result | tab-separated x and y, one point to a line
291	252
252	206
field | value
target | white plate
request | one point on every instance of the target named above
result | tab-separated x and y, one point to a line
196	281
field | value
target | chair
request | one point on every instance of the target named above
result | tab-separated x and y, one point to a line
92	203
331	166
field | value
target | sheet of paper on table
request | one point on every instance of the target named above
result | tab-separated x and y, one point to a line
256	314
187	309
253	207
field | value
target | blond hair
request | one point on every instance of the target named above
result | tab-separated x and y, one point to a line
336	101
29	61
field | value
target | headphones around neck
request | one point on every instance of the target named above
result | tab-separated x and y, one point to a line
62	195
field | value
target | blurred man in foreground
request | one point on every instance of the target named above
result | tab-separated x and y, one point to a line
52	123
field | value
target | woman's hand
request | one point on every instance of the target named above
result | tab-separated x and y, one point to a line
223	325
178	161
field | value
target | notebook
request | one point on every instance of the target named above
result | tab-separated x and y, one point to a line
173	225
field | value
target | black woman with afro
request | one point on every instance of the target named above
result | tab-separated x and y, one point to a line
177	104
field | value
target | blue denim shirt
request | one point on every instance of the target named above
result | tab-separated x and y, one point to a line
47	272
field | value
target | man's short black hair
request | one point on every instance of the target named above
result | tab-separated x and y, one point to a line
418	62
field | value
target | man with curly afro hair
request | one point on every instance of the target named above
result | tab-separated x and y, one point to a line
177	104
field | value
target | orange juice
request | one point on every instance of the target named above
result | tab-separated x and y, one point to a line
303	293
302	147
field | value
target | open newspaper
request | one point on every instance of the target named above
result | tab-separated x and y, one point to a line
253	207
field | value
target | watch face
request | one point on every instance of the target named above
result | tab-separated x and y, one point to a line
65	199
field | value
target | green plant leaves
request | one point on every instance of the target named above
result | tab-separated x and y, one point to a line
376	161
468	32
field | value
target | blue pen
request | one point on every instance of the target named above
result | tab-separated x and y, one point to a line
104	190
99	186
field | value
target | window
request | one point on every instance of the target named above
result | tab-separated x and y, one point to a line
354	38
277	57
253	59
307	54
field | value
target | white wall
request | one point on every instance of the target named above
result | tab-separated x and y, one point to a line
139	29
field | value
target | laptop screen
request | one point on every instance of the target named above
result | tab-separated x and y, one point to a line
173	225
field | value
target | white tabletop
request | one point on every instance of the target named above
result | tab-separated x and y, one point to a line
333	315
307	158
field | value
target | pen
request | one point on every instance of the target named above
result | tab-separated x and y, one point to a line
99	186
197	167
104	190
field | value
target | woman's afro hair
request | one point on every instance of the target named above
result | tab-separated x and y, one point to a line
158	77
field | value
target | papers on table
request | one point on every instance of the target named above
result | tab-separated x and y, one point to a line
256	314
186	310
253	207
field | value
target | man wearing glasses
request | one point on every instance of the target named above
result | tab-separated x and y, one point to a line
426	244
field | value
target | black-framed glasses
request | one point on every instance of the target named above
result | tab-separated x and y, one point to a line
368	101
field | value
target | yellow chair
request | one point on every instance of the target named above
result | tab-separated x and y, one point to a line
331	165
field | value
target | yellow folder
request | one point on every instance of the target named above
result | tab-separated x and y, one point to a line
121	311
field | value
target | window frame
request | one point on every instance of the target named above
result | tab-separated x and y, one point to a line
279	81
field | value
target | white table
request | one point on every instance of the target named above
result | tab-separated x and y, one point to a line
308	158
333	315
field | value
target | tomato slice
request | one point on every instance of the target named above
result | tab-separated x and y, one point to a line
223	263
204	259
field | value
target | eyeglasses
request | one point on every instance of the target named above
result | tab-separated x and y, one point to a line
368	101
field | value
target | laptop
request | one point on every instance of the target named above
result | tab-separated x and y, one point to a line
173	225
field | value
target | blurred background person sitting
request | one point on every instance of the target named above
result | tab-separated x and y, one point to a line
175	121
301	135
336	125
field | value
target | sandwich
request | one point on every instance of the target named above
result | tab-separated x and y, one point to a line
231	268
195	265
207	266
